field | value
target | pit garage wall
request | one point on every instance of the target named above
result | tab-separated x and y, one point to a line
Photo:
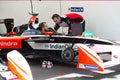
102	17
20	9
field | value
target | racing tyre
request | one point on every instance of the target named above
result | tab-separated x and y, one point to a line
68	55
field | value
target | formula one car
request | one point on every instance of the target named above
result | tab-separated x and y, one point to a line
93	53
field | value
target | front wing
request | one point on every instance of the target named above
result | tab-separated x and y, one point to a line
89	57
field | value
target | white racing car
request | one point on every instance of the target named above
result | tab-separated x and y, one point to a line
93	53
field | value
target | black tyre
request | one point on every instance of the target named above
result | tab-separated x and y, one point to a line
68	55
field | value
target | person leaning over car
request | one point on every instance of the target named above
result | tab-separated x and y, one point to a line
67	21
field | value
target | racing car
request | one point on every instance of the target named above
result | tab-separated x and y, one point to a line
91	51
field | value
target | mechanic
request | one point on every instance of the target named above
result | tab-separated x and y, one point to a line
68	21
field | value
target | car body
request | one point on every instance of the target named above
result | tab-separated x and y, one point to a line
64	48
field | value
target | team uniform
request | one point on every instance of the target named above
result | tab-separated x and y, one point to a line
69	20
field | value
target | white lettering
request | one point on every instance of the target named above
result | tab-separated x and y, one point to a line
8	43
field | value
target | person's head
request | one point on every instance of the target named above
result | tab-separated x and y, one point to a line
43	26
56	18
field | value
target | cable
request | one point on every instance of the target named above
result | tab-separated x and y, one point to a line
60	10
60	7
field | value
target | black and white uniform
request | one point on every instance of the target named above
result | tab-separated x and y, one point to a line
70	19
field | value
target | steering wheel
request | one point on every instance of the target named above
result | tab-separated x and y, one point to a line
54	32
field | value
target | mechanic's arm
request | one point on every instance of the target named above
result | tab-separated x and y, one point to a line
56	27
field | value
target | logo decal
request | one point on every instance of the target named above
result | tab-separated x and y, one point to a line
6	43
87	66
57	46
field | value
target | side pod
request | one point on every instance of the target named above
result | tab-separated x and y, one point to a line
88	59
19	66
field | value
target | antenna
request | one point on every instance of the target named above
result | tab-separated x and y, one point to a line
31	6
60	4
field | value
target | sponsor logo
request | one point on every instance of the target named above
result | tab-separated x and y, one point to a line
76	9
57	46
46	46
8	43
31	32
87	66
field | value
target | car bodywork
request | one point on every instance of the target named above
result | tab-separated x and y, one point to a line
14	69
91	52
98	57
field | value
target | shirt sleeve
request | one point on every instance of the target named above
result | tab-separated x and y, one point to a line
56	27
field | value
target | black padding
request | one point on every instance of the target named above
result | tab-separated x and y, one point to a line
9	23
20	29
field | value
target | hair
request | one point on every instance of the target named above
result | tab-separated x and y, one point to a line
41	25
55	16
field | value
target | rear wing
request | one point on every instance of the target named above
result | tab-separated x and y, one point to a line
89	59
9	24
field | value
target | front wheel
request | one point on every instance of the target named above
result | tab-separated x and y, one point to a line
68	55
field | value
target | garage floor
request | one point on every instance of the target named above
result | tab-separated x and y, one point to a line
62	71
